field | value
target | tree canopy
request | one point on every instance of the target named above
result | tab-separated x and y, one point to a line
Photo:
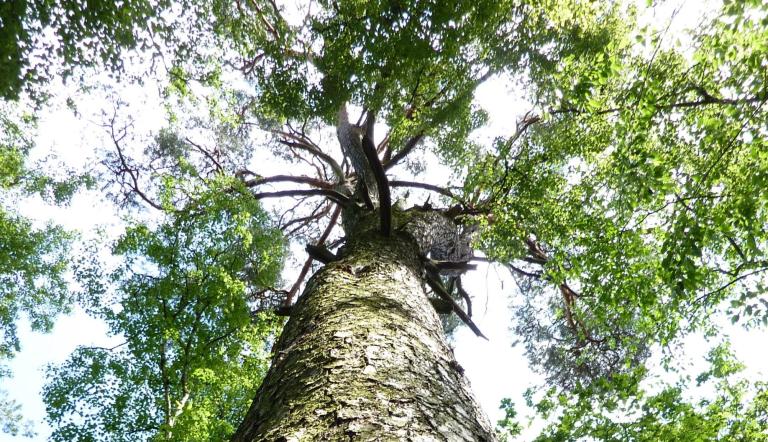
629	203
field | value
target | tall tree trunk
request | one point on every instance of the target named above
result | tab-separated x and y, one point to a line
363	357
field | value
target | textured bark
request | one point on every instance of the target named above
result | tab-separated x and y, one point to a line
363	357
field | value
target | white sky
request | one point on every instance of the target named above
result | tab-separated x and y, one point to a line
495	369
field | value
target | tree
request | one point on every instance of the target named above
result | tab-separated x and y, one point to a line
630	201
192	354
666	415
32	258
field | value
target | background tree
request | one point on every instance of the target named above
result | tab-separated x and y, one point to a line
622	412
32	258
191	354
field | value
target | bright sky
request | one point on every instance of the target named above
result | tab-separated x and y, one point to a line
495	369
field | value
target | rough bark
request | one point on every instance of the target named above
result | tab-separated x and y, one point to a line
363	357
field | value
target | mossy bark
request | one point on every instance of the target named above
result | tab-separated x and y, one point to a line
363	357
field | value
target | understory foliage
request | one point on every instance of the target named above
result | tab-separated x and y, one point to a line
630	203
734	408
189	352
33	257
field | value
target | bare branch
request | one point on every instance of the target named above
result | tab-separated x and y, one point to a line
465	295
308	262
328	193
305	144
439	290
305	220
207	154
320	184
385	200
132	172
441	190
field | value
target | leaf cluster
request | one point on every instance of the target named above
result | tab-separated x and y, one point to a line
191	351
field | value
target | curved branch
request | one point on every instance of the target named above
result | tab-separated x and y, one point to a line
465	295
320	184
320	211
409	146
441	190
328	193
300	143
385	200
206	153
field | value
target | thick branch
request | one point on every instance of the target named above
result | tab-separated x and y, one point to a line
409	146
320	253
441	190
328	193
320	184
385	200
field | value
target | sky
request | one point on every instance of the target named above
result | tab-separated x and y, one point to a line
495	368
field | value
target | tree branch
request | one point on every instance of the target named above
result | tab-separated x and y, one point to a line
328	193
308	262
385	200
301	143
320	184
409	146
438	288
441	190
126	169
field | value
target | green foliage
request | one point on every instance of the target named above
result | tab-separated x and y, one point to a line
633	206
645	188
738	410
193	353
33	260
11	420
42	39
508	426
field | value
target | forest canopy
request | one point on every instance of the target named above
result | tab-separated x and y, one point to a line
628	200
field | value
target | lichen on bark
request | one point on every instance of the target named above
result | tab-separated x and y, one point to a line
363	356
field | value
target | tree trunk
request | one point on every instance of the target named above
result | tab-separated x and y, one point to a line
363	357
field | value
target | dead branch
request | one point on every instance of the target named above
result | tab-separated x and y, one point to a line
328	193
320	184
439	290
308	262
